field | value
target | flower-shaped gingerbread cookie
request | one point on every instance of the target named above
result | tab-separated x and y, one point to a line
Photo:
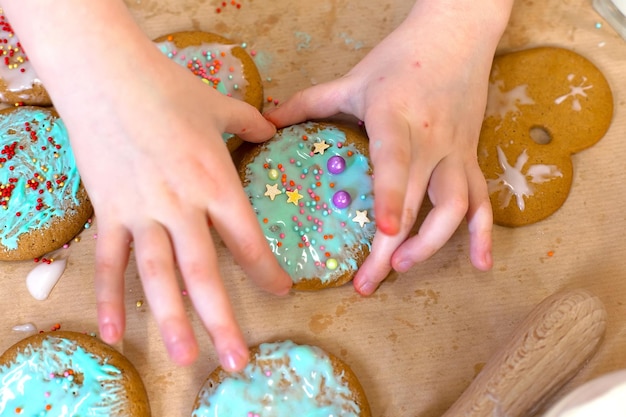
544	105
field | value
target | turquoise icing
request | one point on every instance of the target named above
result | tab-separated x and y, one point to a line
313	239
39	378
285	380
38	174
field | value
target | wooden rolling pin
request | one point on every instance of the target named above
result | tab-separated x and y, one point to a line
547	349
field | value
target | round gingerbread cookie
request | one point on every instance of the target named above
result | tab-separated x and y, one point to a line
220	63
19	83
43	204
311	188
544	105
284	379
65	373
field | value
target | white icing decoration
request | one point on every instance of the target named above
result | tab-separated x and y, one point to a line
514	182
41	279
26	328
20	74
501	103
575	91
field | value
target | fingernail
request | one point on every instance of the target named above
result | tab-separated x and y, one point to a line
183	353
233	360
367	288
488	259
284	291
109	333
403	266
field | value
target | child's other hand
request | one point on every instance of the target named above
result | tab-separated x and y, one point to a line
421	94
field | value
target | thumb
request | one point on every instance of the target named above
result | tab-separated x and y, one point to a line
246	122
317	102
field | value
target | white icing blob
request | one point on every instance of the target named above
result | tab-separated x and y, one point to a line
575	91
26	328
501	103
44	277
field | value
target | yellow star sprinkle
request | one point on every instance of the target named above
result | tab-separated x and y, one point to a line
320	147
272	191
294	196
361	217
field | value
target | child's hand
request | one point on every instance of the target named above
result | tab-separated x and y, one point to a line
421	93
146	134
158	175
158	172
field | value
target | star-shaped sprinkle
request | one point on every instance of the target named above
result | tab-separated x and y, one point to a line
320	147
294	196
361	217
272	191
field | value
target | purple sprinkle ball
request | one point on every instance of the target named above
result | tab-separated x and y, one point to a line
341	199
336	164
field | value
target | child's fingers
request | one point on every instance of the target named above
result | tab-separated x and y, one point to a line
112	251
377	265
155	262
246	122
479	220
391	154
405	186
317	102
197	260
449	195
238	226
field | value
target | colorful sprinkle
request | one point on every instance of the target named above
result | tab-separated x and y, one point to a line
272	191
341	199
336	164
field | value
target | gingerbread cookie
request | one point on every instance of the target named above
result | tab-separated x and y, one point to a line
544	105
220	63
43	204
311	188
65	373
19	83
284	379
